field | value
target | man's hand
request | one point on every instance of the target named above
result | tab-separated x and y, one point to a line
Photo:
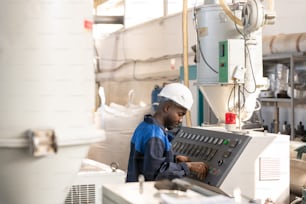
200	168
181	158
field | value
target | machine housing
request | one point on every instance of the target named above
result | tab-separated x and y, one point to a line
251	162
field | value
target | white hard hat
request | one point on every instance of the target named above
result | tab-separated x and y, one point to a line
178	93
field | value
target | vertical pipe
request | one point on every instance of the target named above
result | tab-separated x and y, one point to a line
165	7
276	116
185	55
292	71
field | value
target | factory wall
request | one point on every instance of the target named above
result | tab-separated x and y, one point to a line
140	57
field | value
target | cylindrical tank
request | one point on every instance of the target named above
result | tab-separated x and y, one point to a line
46	82
213	26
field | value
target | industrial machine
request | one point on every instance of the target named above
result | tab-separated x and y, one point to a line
247	166
247	161
229	56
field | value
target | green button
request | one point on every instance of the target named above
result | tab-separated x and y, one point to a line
225	142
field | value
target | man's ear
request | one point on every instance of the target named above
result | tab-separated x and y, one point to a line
166	107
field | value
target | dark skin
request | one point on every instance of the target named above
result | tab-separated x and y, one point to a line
170	115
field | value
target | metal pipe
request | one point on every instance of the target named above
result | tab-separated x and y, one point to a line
284	43
109	20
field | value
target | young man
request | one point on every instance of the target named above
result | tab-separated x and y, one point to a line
151	154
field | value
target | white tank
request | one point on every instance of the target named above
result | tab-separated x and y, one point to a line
46	82
213	26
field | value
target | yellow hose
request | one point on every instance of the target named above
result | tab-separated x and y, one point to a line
271	5
229	13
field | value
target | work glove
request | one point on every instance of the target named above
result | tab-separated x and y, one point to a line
198	168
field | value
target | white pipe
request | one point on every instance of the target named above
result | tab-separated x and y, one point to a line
284	43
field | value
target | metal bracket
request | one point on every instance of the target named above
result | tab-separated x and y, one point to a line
42	142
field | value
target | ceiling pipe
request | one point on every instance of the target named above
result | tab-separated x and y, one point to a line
109	20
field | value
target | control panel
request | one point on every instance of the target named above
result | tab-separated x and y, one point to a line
220	150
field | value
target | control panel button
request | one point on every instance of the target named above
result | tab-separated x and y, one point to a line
212	154
215	141
197	152
220	141
225	142
183	147
220	162
226	154
233	143
206	139
211	140
207	153
203	150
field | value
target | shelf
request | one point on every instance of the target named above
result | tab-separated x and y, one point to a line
290	59
285	57
278	100
283	100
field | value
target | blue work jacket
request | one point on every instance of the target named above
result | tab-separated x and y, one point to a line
151	154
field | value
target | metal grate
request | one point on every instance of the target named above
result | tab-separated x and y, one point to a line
81	194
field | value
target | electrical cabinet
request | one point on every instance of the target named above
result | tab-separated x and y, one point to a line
290	60
231	60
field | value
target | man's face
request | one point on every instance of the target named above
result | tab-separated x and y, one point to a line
174	116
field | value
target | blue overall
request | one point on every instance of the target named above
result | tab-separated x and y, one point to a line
151	154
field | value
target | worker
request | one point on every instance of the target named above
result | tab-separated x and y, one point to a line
150	152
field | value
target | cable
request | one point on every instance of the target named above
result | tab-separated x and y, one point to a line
149	60
251	66
113	60
241	102
96	57
199	43
228	100
243	34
